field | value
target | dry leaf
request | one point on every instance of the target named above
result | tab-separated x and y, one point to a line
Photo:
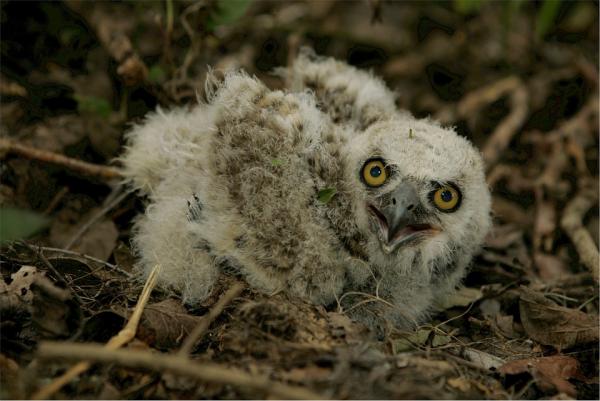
55	314
463	297
551	324
17	294
165	324
549	267
9	378
460	383
483	359
98	240
21	283
550	372
419	338
504	323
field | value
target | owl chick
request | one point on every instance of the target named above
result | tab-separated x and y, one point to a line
239	184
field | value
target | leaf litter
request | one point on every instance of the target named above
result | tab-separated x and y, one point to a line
525	324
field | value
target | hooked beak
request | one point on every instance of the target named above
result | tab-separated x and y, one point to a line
396	222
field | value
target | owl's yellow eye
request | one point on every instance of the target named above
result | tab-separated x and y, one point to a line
374	173
446	198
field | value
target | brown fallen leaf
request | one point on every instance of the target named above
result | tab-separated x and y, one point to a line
481	358
550	373
17	294
98	240
551	324
9	378
461	298
165	324
550	267
460	383
55	314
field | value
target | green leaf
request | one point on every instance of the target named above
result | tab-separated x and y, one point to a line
276	162
18	223
326	194
227	12
156	74
93	105
467	6
546	17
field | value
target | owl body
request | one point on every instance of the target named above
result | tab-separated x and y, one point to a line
238	184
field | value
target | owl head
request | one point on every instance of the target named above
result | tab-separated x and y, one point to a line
419	191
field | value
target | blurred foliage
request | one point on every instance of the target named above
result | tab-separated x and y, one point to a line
93	105
546	16
18	223
156	74
468	6
227	12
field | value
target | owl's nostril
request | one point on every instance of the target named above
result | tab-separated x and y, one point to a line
393	201
410	207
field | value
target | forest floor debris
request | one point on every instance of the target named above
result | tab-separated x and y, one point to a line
526	324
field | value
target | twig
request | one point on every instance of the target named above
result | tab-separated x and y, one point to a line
68	252
122	338
207	371
131	68
215	311
478	98
504	132
572	223
109	204
104	172
56	200
51	267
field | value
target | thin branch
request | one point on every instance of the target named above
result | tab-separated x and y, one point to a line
215	311
93	259
95	170
109	204
572	223
506	130
206	371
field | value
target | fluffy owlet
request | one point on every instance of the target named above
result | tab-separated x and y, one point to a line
324	191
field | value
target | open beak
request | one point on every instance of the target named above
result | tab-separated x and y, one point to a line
396	222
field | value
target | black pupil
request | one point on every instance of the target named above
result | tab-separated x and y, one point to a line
446	196
375	171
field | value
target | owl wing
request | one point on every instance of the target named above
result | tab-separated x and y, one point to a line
347	94
164	141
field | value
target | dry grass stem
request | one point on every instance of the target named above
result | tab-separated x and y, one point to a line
122	338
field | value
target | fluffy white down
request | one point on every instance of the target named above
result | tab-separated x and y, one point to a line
232	185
